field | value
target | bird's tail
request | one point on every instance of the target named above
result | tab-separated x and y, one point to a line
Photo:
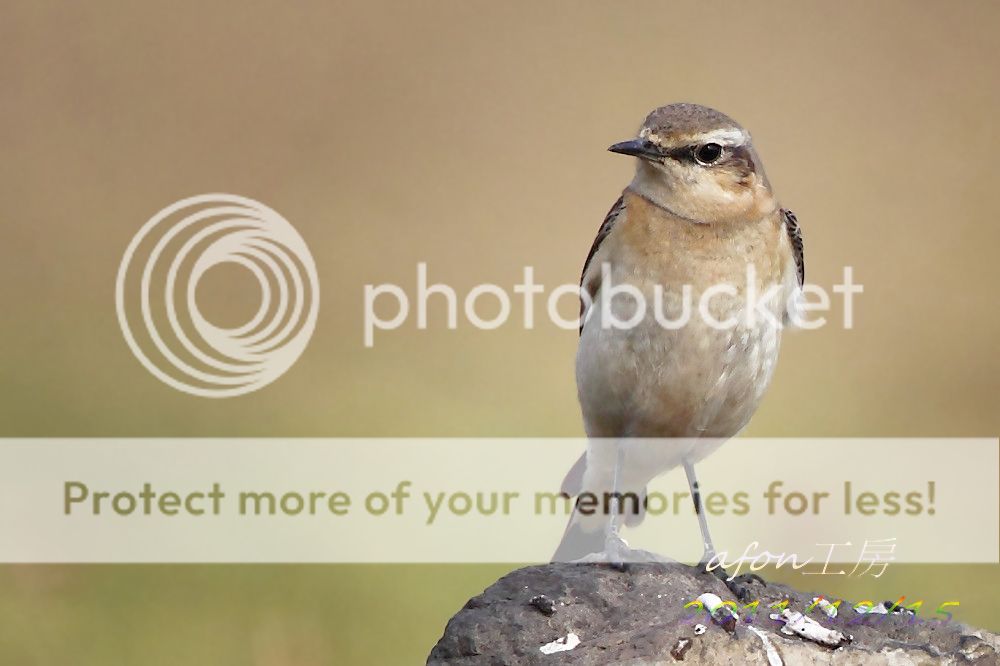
586	534
579	540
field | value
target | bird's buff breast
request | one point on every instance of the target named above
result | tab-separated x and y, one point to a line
698	380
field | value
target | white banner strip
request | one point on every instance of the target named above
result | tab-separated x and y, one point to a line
816	502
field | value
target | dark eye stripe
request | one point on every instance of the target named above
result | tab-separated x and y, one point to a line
741	156
730	154
745	156
686	153
682	153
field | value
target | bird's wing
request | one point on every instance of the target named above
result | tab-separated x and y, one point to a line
609	222
795	238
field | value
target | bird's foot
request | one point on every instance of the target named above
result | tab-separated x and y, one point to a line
619	555
740	585
616	553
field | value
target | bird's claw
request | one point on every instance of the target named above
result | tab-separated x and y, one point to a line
619	555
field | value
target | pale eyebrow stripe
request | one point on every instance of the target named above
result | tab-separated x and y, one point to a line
728	137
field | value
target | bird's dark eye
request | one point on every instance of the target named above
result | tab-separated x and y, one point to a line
707	154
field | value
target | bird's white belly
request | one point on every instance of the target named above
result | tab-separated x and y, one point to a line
694	382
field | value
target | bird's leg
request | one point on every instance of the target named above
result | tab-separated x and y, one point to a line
706	538
736	585
614	545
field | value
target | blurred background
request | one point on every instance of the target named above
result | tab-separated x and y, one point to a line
471	136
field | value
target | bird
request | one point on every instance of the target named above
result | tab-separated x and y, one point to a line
698	213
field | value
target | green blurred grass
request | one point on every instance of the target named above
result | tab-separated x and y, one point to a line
234	614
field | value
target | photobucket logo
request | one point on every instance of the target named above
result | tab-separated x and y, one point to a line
749	302
161	270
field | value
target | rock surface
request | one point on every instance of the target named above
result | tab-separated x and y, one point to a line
639	617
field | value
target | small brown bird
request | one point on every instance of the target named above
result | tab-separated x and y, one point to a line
699	225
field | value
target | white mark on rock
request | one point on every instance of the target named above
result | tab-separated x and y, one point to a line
883	608
877	609
710	601
699	629
722	614
564	644
773	657
680	648
825	606
797	624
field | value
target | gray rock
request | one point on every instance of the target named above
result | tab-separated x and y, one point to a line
639	617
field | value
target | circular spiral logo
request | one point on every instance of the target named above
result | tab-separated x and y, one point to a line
175	341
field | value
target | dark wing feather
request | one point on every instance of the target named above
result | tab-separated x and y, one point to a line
602	233
795	237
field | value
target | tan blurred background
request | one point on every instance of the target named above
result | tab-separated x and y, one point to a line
471	136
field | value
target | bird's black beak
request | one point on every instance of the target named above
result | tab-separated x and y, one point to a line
647	150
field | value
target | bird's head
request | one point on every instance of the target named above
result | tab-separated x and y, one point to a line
699	164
